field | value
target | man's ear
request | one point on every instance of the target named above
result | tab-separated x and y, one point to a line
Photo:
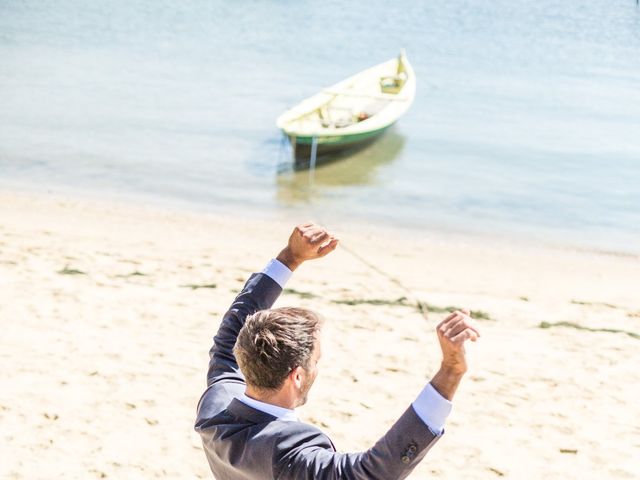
296	377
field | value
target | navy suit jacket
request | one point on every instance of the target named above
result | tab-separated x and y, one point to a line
242	443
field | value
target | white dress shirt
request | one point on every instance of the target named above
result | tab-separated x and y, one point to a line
280	413
432	408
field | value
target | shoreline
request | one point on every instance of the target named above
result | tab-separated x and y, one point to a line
109	310
514	238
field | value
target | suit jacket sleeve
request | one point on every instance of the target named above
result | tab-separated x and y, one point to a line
310	455
259	293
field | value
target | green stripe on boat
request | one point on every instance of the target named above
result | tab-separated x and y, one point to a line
339	139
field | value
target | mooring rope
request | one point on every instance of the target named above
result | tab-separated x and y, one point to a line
412	297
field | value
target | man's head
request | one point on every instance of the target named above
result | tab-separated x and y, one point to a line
279	349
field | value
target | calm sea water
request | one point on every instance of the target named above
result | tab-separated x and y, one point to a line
526	121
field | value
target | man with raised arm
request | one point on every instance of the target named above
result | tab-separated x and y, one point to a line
263	363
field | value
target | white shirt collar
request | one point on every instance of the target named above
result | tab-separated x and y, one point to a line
279	412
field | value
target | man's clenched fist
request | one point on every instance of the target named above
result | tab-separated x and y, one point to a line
453	332
307	242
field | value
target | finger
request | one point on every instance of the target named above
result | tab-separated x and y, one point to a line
330	238
466	311
320	237
470	322
308	231
329	247
454	328
445	325
301	229
449	317
473	326
451	322
465	335
312	231
452	318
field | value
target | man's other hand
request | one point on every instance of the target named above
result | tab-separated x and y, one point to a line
308	241
453	332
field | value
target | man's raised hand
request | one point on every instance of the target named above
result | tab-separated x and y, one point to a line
307	242
453	332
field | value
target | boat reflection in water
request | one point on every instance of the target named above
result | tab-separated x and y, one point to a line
346	169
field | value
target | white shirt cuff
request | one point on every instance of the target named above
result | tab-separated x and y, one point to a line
278	272
432	408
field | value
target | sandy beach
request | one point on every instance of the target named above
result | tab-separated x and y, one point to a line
108	310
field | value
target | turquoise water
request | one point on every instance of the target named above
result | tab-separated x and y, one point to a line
526	120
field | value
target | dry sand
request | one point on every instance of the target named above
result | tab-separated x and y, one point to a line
105	333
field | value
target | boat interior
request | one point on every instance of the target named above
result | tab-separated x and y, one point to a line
357	102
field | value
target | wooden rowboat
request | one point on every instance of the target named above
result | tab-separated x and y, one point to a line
352	112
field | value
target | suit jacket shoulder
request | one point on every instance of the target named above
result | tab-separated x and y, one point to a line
242	442
306	456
